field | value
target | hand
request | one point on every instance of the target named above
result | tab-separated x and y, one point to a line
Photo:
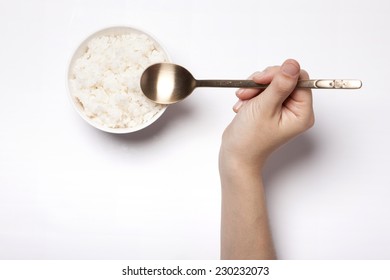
268	118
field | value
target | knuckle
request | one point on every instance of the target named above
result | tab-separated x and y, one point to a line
305	122
304	74
308	122
254	74
271	68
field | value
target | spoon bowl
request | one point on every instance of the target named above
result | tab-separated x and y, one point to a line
167	83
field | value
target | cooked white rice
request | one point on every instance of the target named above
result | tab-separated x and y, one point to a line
105	80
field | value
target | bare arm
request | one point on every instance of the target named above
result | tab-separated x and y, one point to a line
263	123
245	232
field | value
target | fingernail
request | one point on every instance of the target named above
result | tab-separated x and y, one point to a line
240	91
290	69
238	105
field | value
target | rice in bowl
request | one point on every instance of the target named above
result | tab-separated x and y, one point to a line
104	79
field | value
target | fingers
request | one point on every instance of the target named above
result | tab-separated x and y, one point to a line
260	77
248	93
238	105
282	85
302	95
304	75
282	80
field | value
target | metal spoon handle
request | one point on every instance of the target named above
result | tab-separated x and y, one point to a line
319	84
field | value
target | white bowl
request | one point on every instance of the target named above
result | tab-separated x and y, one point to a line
116	30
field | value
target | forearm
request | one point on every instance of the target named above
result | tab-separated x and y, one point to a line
265	120
245	232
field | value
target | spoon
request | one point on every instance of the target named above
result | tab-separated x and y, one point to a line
167	83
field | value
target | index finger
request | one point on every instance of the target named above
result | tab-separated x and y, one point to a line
261	77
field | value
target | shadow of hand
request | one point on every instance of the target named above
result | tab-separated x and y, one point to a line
299	150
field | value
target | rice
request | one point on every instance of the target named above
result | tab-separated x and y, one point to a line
104	80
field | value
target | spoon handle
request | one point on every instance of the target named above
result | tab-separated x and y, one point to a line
318	84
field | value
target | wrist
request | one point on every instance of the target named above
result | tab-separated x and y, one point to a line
243	160
233	165
239	179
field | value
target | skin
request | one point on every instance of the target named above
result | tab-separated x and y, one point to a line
265	120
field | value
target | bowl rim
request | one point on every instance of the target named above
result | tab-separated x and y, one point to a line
77	52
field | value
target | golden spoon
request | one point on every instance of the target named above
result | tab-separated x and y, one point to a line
167	83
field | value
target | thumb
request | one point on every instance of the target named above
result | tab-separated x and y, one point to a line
282	85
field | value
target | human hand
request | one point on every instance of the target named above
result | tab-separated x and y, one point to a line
266	121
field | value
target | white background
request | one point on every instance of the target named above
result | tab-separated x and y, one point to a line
69	191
